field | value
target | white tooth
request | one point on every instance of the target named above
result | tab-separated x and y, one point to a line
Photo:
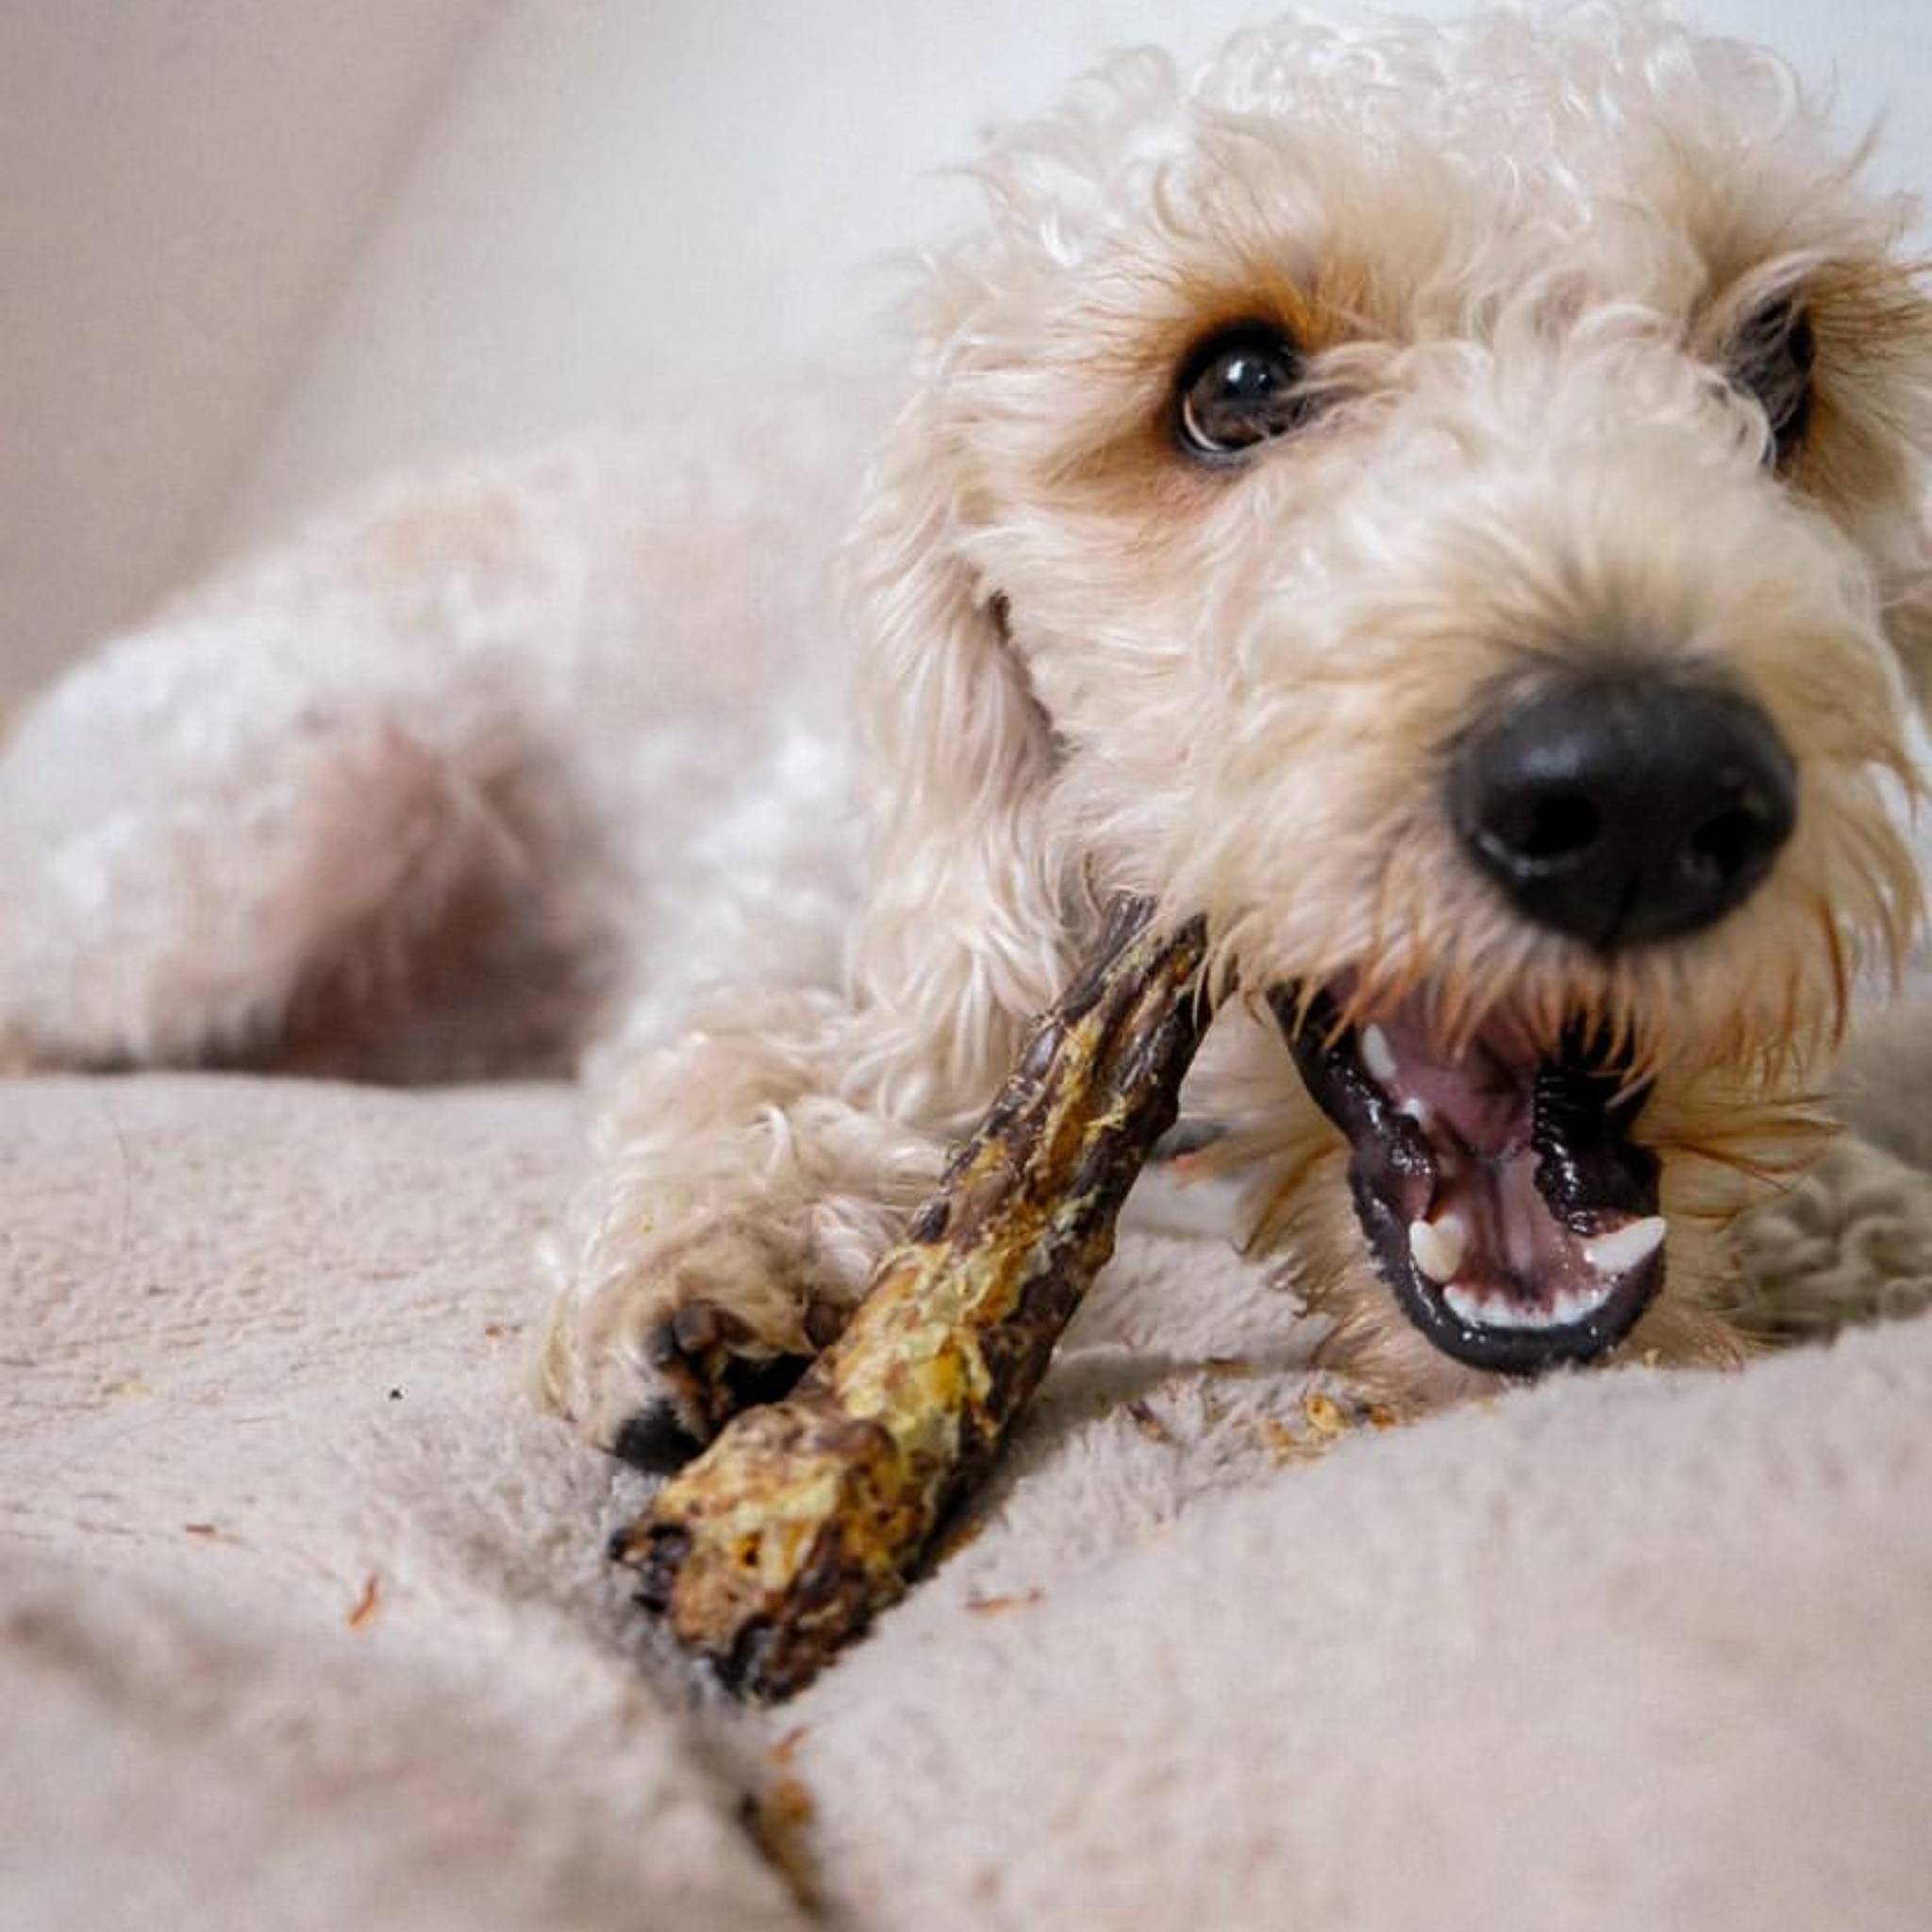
1418	1111
1377	1056
1575	1303
1463	1304
1438	1245
1623	1248
1568	1307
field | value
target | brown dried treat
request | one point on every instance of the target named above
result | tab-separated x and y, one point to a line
1141	1415
805	1519
1325	1414
367	1603
780	1820
999	1605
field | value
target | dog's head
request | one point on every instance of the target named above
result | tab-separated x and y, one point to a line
1446	503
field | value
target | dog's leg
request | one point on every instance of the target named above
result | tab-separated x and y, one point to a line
203	827
753	1175
747	1179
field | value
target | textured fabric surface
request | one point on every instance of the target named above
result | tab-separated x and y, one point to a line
1627	1650
303	1618
1634	1651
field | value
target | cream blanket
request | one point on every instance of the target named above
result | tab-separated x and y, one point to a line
303	1621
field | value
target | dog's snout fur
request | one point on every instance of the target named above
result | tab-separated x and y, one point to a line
1621	809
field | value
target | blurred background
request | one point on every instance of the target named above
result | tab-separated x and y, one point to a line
253	254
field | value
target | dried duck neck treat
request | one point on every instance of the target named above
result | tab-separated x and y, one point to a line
805	1518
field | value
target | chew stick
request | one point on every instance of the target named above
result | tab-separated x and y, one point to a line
805	1518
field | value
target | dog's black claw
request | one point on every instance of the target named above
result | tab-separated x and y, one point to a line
753	1383
655	1441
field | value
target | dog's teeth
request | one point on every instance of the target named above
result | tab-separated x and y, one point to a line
1571	1306
1417	1109
1623	1248
1438	1246
1579	1303
1377	1056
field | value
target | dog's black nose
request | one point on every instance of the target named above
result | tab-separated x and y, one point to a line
1621	809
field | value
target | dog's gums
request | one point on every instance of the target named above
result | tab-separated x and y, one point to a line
1500	1192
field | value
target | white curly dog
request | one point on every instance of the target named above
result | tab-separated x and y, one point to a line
1445	502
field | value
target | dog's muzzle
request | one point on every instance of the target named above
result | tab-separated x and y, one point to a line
1500	1194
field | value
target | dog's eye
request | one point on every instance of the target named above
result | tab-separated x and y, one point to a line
1238	388
1773	358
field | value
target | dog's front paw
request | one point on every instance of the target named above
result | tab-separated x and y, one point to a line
708	1365
653	1356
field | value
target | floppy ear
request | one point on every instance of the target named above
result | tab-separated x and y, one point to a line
1909	616
961	939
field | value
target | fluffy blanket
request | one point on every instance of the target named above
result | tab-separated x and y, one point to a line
303	1621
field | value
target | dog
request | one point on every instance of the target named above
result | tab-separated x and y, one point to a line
1445	503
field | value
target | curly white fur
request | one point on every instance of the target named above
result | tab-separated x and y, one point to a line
1518	249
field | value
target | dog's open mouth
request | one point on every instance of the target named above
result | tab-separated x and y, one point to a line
1502	1196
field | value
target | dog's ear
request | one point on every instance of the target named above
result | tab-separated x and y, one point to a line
1909	612
962	935
1909	624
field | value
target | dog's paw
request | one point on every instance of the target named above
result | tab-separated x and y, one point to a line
709	1365
652	1360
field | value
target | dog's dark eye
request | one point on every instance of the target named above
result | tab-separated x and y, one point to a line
1773	358
1238	388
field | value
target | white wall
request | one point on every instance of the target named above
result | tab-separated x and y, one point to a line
182	185
230	298
626	196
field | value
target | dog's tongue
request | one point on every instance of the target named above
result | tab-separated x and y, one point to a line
1499	1189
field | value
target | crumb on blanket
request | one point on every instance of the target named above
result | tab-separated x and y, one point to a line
367	1605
